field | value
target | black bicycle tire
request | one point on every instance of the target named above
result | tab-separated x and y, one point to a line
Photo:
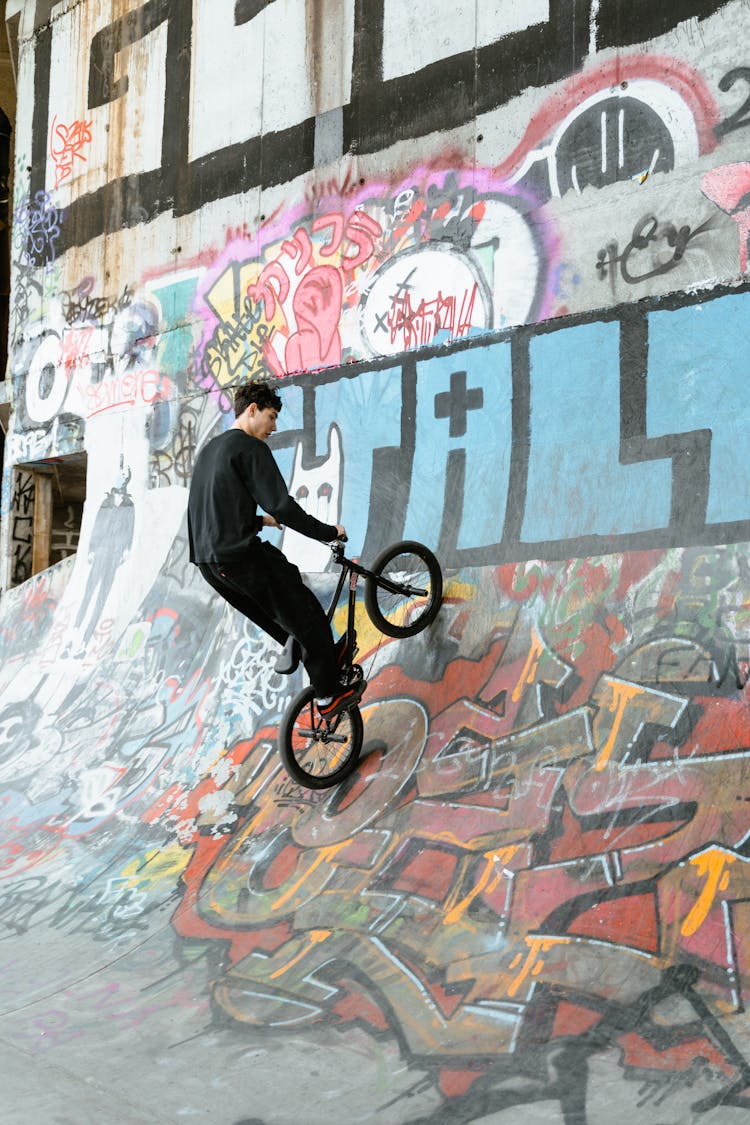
292	766
379	620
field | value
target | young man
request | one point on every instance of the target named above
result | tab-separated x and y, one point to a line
234	475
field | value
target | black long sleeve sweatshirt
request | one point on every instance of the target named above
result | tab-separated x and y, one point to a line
234	475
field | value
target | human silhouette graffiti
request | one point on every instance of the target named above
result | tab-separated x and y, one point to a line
111	540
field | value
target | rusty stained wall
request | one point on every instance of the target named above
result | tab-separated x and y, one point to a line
497	256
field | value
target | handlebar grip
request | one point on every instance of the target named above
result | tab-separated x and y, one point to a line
342	538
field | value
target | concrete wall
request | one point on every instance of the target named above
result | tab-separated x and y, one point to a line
496	253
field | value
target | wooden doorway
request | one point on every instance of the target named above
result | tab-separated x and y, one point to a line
46	514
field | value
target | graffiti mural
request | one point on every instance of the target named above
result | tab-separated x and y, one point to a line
88	356
439	258
643	480
542	856
624	120
540	860
539	867
497	267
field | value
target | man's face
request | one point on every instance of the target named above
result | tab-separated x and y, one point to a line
260	423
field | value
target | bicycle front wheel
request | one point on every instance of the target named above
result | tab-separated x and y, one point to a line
316	753
405	589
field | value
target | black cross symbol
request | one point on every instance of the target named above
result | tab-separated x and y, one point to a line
404	286
456	402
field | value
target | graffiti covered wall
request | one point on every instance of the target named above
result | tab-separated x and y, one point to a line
495	256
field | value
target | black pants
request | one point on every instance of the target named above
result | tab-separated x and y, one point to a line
269	590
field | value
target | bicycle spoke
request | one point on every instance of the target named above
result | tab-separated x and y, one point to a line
404	589
411	585
318	750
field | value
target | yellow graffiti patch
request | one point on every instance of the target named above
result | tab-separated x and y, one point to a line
456	591
325	855
156	866
714	865
528	675
488	881
316	937
621	696
532	966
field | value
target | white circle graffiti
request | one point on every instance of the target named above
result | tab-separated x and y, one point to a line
47	381
422	294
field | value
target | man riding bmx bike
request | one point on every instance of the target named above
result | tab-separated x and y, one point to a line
235	474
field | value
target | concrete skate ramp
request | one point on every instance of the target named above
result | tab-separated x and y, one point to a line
528	905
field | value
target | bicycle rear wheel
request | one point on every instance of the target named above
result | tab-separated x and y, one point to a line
316	753
405	591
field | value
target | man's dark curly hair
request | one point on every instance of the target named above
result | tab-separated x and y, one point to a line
255	391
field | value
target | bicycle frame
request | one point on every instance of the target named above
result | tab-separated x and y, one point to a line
356	570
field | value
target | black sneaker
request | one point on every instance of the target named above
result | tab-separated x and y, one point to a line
347	696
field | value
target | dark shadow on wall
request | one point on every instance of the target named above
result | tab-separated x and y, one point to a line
8	73
5	135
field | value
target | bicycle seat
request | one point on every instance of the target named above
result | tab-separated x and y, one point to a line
289	657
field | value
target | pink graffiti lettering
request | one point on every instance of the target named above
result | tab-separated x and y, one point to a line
729	188
360	229
76	349
317	307
299	247
66	143
144	387
336	222
420	325
262	290
317	300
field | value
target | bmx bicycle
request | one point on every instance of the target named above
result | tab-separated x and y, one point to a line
403	593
